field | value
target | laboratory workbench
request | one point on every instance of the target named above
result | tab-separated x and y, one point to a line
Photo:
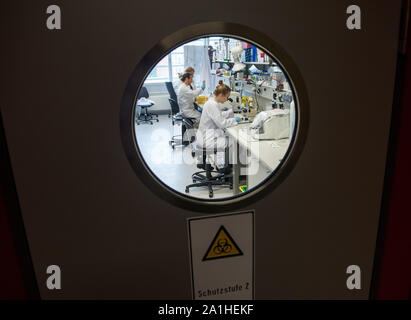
263	156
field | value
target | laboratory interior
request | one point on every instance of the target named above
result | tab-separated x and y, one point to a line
210	146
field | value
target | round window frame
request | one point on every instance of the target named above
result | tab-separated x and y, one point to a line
150	60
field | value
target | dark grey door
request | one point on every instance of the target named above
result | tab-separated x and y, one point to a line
85	209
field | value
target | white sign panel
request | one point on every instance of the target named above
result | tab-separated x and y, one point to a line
222	256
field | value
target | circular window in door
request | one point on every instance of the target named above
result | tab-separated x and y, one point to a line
213	119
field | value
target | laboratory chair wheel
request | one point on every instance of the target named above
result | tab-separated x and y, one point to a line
187	190
210	194
151	122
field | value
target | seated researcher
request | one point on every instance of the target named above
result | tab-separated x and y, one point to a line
176	83
214	119
186	97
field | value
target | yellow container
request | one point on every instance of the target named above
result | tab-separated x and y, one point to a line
201	99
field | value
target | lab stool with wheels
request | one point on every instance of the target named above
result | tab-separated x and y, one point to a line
210	177
181	139
186	123
143	103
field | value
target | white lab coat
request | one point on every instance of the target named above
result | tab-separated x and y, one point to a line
210	133
176	84
185	98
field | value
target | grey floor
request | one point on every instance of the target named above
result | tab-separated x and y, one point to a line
173	167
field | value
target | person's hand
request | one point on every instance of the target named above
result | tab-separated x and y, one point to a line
225	109
238	119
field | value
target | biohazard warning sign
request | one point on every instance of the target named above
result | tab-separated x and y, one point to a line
222	256
222	246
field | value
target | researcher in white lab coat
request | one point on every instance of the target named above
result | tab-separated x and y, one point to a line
186	95
176	83
215	118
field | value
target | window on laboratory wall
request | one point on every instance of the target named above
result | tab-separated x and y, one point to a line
177	63
215	146
159	72
172	65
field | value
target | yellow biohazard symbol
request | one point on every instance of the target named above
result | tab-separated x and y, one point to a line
222	246
243	188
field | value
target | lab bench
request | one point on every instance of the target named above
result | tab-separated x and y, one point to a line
263	157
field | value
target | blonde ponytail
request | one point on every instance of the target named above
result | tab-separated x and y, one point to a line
222	89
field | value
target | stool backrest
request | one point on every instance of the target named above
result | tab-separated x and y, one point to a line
171	91
174	106
143	93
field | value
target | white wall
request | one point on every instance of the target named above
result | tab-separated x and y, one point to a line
159	94
161	103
